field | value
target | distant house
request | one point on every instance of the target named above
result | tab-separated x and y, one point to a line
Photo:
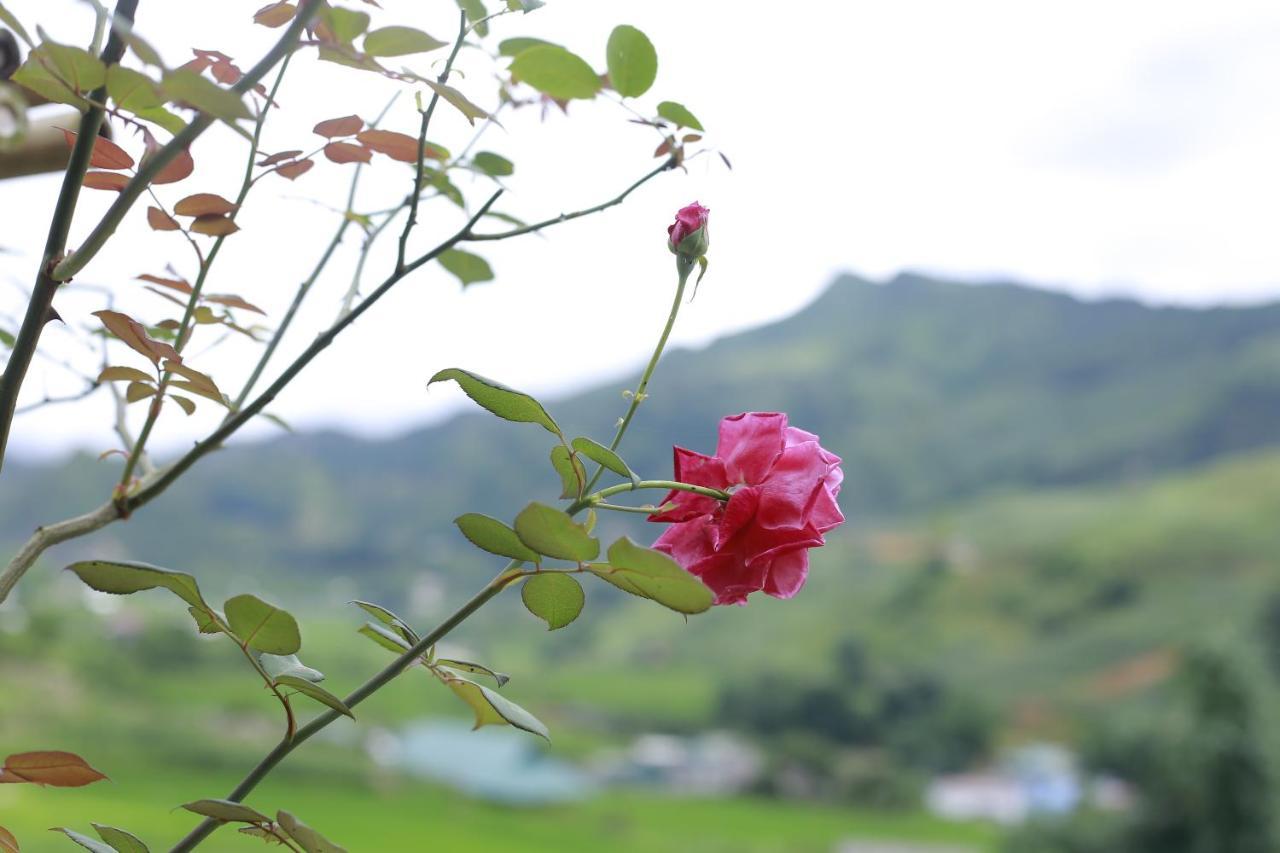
501	765
1038	779
708	764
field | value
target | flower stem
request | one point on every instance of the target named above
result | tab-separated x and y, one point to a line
684	268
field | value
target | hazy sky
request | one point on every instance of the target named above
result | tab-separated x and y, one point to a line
1096	147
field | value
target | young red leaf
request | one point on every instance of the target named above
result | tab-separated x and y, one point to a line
59	769
161	221
134	335
105	181
172	283
232	301
226	73
345	152
106	154
275	15
397	146
280	157
345	126
203	204
177	169
293	170
215	225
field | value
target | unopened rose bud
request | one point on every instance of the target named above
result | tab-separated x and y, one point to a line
687	236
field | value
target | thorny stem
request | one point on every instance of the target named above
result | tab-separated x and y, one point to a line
206	263
422	141
40	306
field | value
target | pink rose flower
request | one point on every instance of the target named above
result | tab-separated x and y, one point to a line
783	486
688	220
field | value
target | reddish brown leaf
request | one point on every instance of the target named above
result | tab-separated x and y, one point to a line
215	225
8	844
203	204
199	382
226	73
280	157
232	301
59	769
211	55
161	221
691	137
397	146
345	152
105	181
134	335
664	149
345	126
275	15
172	283
198	65
293	170
106	154
188	406
136	391
177	169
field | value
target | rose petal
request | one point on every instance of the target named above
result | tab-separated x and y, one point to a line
688	543
788	492
787	573
749	444
737	514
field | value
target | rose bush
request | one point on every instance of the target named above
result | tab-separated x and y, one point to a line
783	488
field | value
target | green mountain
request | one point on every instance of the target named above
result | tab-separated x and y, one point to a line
933	392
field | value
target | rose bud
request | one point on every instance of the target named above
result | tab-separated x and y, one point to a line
687	236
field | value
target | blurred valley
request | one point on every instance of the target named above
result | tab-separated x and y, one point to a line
1060	559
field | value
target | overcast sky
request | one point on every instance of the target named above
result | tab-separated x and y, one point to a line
1097	147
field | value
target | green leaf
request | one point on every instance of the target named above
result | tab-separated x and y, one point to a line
258	832
34	75
492	708
7	338
262	626
493	165
507	217
602	455
678	115
458	100
515	46
489	534
573	477
132	90
525	6
475	14
161	117
278	666
225	810
399	41
204	620
467	666
554	597
84	841
549	531
633	63
345	24
75	66
389	640
506	403
314	691
386	617
652	574
120	578
308	839
555	71
191	88
123	842
467	267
